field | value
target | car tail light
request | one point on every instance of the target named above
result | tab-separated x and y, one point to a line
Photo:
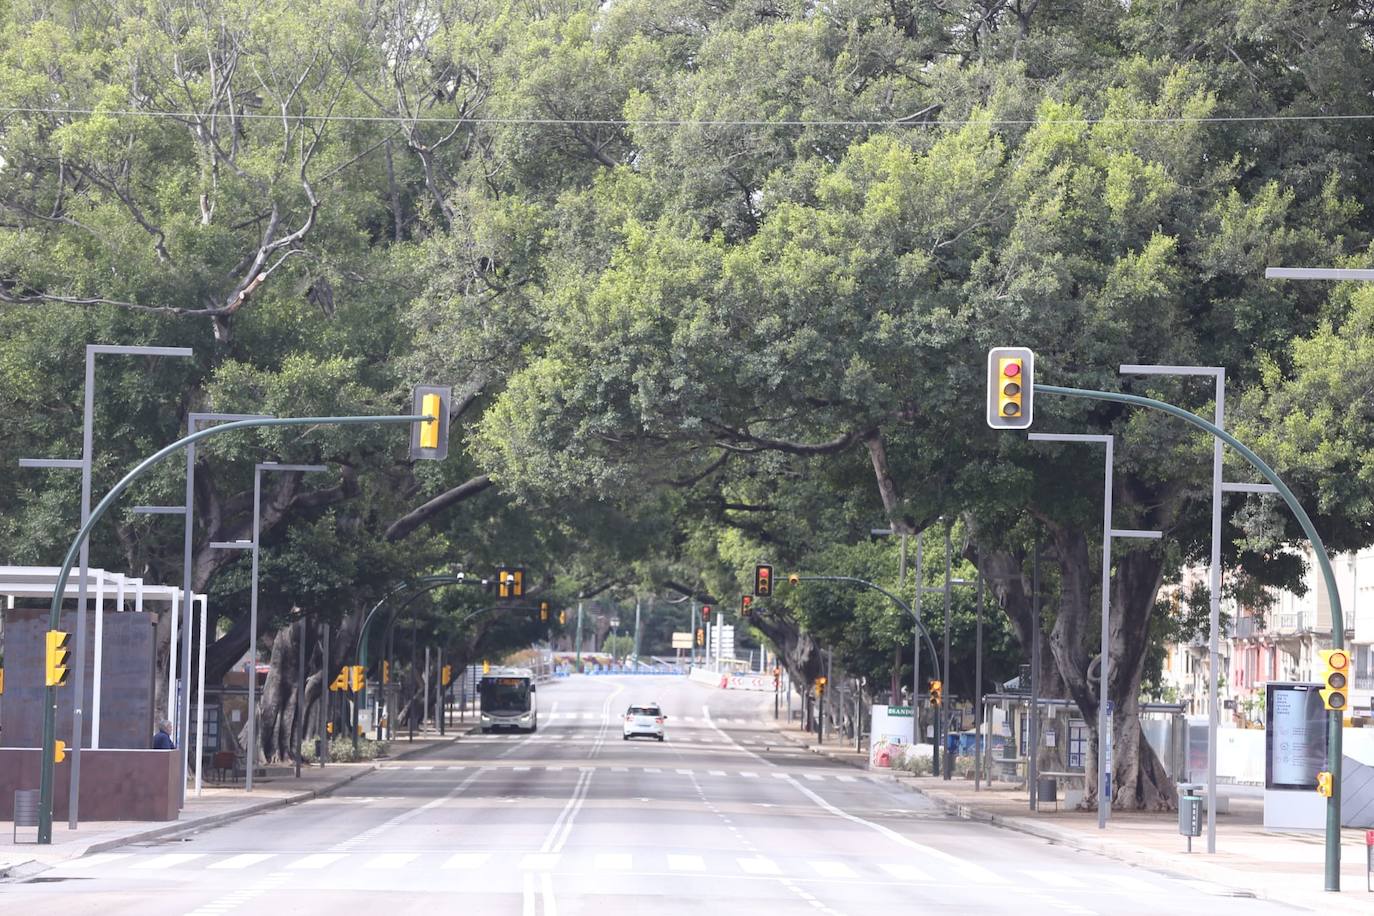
629	718
658	721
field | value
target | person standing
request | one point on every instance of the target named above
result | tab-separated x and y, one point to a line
162	741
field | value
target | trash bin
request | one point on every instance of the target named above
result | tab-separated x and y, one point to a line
1046	790
1189	811
25	810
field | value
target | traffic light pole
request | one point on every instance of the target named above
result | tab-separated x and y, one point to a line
70	560
1334	738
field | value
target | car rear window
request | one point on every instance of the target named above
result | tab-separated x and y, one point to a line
644	711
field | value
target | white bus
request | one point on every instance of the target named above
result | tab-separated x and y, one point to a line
509	699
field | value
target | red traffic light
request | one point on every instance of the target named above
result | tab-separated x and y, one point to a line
1012	370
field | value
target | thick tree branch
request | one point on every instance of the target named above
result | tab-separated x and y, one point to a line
407	523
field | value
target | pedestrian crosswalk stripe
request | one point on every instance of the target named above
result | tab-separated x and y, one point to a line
759	866
553	769
100	858
392	860
539	861
243	861
522	769
317	860
652	770
780	776
833	870
466	860
904	872
169	860
717	772
749	774
613	861
454	769
978	873
1052	878
620	769
685	863
812	776
424	768
684	772
843	778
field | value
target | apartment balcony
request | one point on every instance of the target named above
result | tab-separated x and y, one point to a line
1364	682
1247	627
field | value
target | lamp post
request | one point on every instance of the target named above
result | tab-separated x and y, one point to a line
253	545
84	465
1104	703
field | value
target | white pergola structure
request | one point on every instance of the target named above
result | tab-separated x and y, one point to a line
39	581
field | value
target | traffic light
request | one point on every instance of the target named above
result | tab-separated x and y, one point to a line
446	675
59	751
486	667
562	618
543	612
793	579
746	605
706	613
701	636
510	582
57	659
1324	784
777	677
359	678
340	682
386	671
1011	373
763	580
820	686
937	693
429	438
1335	689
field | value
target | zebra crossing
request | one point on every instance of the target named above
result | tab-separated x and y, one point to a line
707	774
673	720
686	863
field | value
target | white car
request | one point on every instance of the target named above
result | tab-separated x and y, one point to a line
644	720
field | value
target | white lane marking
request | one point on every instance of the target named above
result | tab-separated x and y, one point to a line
369	835
758	865
613	861
685	863
717	772
527	896
554	769
929	853
684	772
168	860
843	778
316	860
550	903
781	776
100	858
1052	878
613	769
652	770
813	777
242	861
392	860
465	860
450	769
706	717
749	774
539	861
521	769
903	872
833	870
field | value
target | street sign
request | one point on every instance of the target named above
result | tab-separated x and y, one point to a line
682	640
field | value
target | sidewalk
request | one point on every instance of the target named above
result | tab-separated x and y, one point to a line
1250	861
279	787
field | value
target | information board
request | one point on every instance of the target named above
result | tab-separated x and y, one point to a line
891	733
1295	736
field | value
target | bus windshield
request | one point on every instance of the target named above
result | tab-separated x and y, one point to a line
505	695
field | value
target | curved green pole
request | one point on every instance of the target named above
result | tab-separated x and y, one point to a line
1333	720
60	588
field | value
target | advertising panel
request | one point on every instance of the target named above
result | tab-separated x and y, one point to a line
893	730
1295	736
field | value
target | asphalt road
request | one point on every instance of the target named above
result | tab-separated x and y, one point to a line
725	817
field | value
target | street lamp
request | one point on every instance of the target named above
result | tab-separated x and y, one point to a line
83	561
1104	703
1214	576
253	545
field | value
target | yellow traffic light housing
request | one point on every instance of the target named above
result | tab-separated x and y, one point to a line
1335	688
510	582
429	437
701	636
446	675
544	612
386	671
937	693
59	751
486	667
56	671
793	578
340	682
763	580
357	678
820	685
1324	784
1011	372
562	618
